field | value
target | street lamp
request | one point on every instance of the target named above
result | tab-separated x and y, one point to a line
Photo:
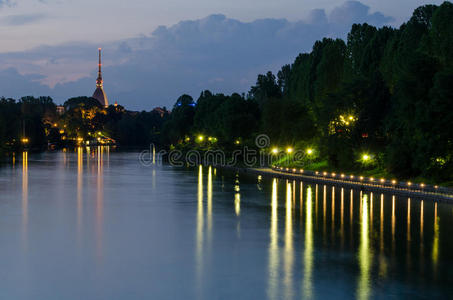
309	151
275	151
289	150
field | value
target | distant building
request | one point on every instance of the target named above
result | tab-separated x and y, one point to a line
99	93
60	109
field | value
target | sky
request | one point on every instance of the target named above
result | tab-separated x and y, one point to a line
156	50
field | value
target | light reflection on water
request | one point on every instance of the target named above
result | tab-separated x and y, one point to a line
226	230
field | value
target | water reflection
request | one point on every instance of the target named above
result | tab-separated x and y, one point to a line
408	220
308	252
79	188
364	253
199	233
209	207
237	195
100	199
436	238
273	245
25	197
289	251
284	252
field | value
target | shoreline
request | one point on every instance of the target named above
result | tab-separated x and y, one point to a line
412	192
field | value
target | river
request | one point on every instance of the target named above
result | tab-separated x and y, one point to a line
100	225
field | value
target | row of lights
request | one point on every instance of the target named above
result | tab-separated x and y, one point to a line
351	177
290	150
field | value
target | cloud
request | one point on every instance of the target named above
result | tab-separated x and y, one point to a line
355	12
18	20
216	53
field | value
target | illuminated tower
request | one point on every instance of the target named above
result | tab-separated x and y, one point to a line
99	93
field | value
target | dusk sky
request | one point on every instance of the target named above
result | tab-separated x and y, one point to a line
152	55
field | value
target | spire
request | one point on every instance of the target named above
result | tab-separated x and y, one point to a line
99	93
99	79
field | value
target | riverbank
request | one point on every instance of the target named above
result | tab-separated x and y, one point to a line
405	189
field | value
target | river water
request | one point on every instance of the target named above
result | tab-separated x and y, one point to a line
99	225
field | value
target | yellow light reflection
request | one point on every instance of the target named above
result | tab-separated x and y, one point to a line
316	205
324	205
273	245
421	222
25	196
79	187
99	199
333	214
382	224
301	198
199	235
209	206
393	224
364	254
351	208
342	217
371	213
308	252
289	251
382	259
436	238
237	204
408	219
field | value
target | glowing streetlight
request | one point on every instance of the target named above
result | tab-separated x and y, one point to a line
24	140
274	150
200	138
309	151
366	157
289	150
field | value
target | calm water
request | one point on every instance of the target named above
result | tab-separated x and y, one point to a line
101	226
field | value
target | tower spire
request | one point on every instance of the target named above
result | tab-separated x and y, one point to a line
99	93
99	80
